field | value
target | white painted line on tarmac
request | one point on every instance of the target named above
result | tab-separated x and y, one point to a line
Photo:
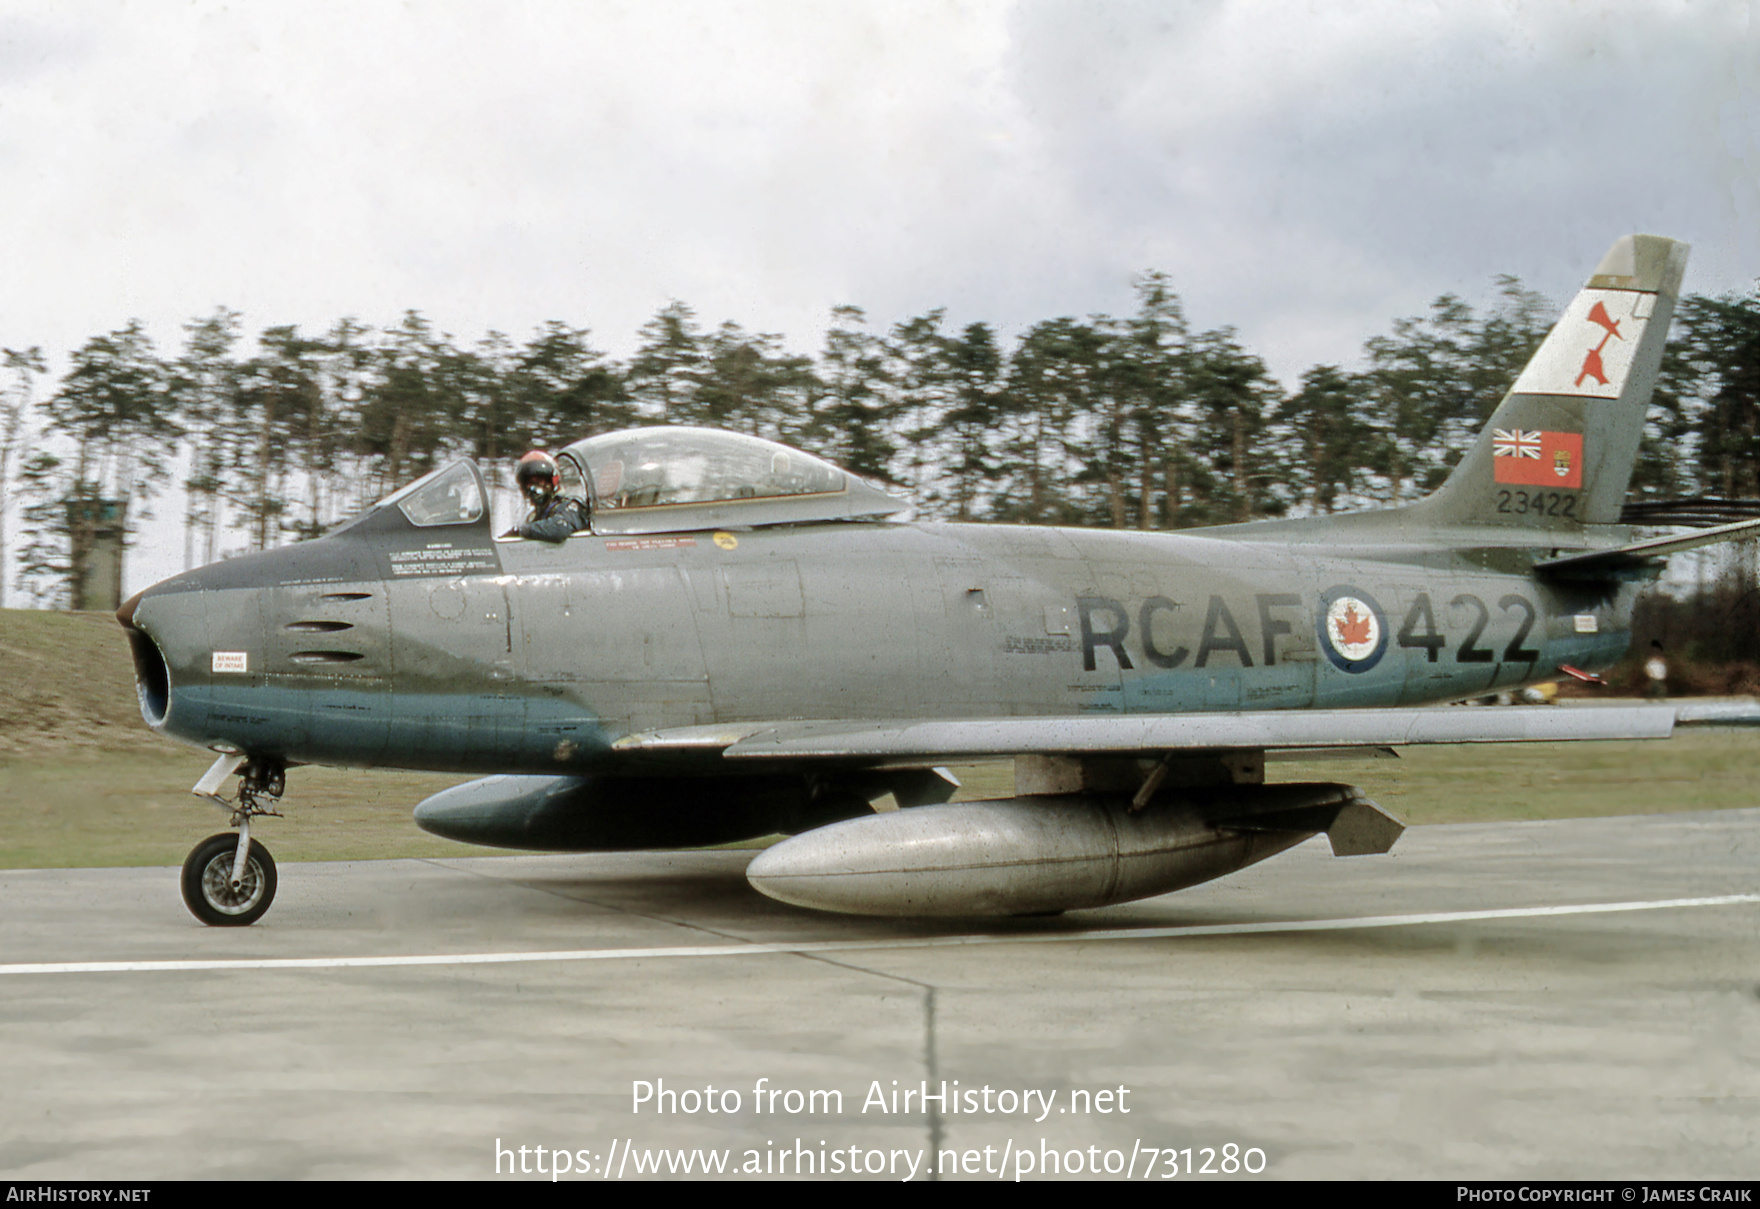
855	946
845	946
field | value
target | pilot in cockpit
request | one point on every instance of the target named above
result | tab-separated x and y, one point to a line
554	515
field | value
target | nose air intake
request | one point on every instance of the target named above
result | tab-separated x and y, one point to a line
152	679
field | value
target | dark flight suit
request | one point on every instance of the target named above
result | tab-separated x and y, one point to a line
559	518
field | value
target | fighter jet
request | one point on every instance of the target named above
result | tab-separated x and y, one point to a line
750	641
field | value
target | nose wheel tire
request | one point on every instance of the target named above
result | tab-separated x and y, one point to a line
207	882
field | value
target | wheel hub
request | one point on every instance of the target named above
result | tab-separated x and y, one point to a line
218	889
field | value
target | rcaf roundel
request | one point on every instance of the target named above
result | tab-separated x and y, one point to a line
1353	630
1532	458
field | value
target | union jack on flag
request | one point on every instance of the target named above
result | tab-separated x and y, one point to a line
1514	443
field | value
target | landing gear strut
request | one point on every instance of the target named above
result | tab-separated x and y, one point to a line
229	880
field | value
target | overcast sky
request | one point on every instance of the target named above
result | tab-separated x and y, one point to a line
1305	172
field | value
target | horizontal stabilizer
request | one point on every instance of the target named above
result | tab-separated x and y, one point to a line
1623	561
1148	734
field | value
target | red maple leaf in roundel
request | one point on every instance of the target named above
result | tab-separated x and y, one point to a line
1353	630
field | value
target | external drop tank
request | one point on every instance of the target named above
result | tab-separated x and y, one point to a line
1042	854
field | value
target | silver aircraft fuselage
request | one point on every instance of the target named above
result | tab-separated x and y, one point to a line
457	651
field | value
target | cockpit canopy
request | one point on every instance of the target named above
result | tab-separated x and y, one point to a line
451	495
667	480
656	480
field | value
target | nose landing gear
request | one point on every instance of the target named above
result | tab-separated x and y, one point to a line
211	892
229	880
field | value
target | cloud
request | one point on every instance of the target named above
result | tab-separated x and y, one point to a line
1306	172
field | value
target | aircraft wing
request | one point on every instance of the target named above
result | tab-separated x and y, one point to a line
1157	733
1603	564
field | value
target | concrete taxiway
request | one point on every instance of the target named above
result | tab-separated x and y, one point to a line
1576	999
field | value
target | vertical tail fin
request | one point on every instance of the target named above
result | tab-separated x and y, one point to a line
1559	451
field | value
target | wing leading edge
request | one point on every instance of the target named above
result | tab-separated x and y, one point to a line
1156	733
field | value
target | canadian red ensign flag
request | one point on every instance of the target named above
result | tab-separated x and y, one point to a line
1532	458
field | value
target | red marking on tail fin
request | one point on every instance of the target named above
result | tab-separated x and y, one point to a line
1598	314
1592	367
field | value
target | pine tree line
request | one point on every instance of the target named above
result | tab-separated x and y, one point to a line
1137	421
